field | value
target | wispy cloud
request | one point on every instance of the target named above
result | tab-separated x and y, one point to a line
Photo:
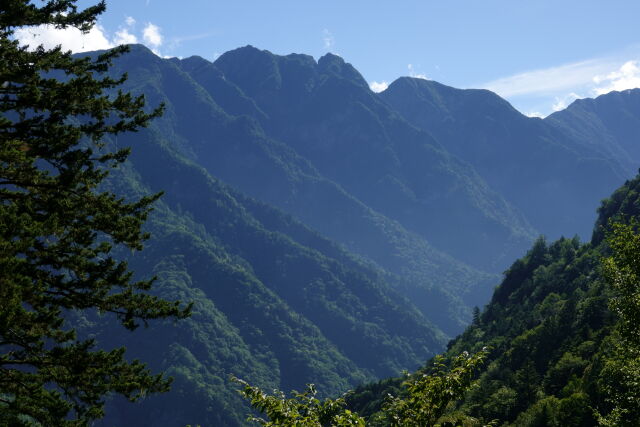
378	87
563	84
175	42
549	81
327	39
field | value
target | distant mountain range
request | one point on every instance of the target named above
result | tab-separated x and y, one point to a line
555	171
333	235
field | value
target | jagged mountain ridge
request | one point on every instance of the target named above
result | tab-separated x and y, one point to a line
554	176
326	112
609	123
237	150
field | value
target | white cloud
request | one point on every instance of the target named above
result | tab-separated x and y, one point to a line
124	37
328	39
151	35
378	87
626	77
69	38
412	73
535	114
97	38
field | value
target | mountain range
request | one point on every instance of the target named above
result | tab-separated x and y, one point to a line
329	234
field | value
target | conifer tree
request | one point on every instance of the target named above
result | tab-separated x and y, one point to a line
58	229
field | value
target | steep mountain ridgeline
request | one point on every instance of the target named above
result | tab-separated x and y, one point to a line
237	150
550	332
554	177
326	112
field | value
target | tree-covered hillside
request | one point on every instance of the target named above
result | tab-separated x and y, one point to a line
275	302
551	333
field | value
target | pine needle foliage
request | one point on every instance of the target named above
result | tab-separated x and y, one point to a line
58	229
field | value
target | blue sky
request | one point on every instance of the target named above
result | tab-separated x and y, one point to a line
540	55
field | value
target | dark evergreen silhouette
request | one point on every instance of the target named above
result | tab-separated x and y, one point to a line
59	230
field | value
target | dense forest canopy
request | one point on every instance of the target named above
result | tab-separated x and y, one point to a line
562	328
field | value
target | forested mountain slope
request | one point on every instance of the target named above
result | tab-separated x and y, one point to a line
549	328
459	187
275	301
237	150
